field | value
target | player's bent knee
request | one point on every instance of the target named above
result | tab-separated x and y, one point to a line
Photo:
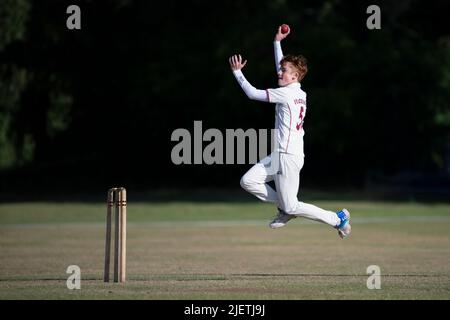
245	183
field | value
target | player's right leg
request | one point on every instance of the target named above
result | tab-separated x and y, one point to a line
339	220
312	212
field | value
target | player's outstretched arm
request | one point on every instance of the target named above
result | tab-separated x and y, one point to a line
236	65
279	36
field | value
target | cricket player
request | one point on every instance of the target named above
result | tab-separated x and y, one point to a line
284	164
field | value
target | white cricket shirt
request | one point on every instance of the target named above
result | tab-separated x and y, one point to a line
290	110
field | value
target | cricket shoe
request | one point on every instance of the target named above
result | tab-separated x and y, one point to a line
281	219
344	228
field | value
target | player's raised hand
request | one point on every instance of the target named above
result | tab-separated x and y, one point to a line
236	62
283	32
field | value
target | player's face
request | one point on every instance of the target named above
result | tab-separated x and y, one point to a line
287	74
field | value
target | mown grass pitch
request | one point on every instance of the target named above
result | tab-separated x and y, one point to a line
225	250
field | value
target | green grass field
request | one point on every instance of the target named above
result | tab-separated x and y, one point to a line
225	250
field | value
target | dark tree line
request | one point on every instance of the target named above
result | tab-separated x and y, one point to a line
97	106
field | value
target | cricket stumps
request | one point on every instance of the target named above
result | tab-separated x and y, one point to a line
117	199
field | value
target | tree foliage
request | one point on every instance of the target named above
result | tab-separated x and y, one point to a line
82	101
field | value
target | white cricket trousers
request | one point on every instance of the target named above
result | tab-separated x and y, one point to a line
285	170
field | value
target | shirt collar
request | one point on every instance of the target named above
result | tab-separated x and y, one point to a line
294	85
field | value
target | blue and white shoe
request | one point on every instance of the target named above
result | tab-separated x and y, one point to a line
344	228
281	219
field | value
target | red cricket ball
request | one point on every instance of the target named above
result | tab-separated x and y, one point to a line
284	28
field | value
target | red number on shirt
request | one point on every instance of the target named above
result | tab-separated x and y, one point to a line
299	124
